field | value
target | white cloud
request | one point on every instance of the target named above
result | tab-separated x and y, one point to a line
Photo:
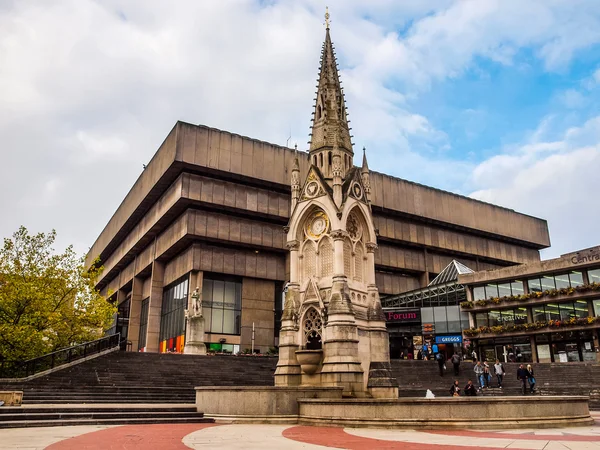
90	88
559	183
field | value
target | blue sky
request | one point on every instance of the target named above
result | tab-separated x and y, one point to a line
494	99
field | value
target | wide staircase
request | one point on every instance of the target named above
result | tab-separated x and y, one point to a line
415	377
129	377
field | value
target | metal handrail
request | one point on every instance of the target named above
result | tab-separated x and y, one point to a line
22	369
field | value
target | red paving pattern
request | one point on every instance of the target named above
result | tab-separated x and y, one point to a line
338	438
127	437
566	437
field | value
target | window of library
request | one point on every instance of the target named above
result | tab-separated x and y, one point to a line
222	305
172	320
594	276
560	311
550	282
143	323
512	288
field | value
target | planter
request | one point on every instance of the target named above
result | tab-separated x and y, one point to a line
309	360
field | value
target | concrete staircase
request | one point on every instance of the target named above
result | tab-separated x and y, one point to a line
415	377
61	415
127	377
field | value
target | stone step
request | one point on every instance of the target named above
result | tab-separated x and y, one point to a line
119	421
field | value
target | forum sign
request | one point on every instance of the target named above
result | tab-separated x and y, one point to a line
403	315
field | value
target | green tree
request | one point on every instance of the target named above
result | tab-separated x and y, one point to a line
47	300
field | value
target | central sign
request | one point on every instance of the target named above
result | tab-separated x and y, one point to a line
403	315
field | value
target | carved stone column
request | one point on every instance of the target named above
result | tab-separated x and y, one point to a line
288	372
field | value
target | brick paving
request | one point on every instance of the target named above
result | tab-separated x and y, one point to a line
271	437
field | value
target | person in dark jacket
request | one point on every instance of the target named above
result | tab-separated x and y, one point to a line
470	390
456	363
454	389
522	376
441	363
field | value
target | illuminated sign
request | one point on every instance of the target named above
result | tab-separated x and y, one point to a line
404	315
454	339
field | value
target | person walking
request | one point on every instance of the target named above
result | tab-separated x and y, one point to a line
499	370
487	375
478	369
455	389
530	378
456	363
522	376
441	363
470	390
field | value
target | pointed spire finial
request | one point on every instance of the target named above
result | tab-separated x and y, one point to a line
327	17
365	166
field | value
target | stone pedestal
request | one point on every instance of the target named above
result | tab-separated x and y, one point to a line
341	365
194	339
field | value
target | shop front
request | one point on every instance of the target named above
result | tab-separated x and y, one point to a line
404	328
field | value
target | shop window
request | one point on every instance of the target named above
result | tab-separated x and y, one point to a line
172	320
562	281
441	324
576	279
143	323
596	307
479	293
548	283
567	311
464	320
481	320
581	308
508	317
539	315
520	316
504	290
534	285
453	316
222	305
552	312
494	318
491	290
594	276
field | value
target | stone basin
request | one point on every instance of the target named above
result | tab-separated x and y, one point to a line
309	360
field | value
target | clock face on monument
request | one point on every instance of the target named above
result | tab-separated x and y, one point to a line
317	225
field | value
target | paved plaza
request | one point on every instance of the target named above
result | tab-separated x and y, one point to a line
224	436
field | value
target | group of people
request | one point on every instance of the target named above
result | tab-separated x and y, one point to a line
483	374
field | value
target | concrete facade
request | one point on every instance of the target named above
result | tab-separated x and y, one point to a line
554	305
214	204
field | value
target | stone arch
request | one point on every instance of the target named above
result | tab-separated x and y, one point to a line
309	260
325	257
312	329
361	213
320	160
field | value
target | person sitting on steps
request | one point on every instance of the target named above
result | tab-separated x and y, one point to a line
455	389
470	390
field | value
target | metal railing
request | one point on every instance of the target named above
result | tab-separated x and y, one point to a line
58	358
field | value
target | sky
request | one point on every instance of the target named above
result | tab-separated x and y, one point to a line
494	99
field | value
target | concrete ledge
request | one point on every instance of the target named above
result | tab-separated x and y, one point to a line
464	412
258	402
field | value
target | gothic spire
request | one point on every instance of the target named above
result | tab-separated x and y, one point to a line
330	120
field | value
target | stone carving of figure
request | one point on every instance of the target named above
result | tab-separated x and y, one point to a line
196	303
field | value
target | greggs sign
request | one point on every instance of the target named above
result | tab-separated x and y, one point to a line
403	315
